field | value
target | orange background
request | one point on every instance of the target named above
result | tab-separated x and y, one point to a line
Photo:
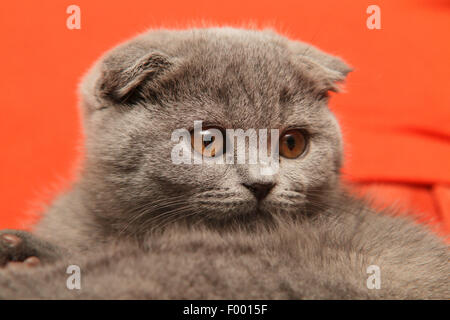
395	115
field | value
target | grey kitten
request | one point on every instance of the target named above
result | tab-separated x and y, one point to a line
140	226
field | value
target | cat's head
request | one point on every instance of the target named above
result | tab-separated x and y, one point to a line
141	92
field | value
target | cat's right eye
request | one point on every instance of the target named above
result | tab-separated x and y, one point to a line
209	142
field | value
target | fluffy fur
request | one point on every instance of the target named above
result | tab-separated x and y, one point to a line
141	227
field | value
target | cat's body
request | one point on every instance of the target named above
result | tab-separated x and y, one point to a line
140	226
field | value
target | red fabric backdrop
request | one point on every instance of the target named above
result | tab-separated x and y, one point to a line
395	115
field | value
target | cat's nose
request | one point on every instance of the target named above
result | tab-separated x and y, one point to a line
260	190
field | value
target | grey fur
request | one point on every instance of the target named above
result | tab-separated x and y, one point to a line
141	227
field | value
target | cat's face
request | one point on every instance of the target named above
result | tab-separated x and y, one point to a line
139	94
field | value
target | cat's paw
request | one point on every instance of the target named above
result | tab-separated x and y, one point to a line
21	248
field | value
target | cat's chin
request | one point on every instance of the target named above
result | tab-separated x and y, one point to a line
249	214
245	211
241	220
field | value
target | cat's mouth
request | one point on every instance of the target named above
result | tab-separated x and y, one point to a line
227	204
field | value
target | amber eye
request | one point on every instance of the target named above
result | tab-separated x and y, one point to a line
292	143
209	142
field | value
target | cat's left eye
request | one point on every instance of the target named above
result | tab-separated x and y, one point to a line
292	143
210	142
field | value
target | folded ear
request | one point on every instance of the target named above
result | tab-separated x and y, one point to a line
323	68
119	82
120	76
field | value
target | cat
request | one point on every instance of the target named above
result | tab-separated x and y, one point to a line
141	227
